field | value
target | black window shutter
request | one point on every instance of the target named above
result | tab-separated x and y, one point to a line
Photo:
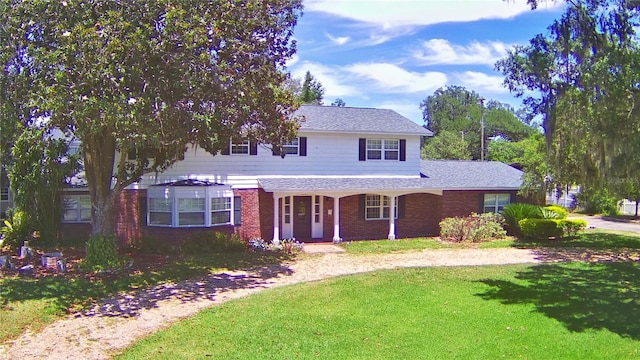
226	150
513	199
403	150
253	148
361	204
237	210
481	203
401	206
303	145
363	149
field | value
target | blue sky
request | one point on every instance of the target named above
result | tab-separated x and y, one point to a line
394	53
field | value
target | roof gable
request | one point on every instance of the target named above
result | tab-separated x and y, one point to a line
357	120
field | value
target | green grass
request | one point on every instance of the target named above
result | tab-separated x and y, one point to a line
592	239
551	311
34	303
404	245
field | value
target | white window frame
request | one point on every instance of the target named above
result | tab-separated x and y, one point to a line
382	204
4	194
185	205
240	148
384	148
292	147
206	193
79	208
228	209
151	209
492	202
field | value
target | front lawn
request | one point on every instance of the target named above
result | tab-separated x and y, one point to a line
552	311
35	302
369	247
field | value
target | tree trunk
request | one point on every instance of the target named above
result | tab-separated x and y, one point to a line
637	200
99	154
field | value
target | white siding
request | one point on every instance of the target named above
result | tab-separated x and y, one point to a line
328	154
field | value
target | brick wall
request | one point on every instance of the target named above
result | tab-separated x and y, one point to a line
463	203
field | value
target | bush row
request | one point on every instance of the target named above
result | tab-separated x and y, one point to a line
550	228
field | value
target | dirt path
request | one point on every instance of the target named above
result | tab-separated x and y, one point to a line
118	322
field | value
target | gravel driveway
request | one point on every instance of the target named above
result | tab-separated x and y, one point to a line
117	322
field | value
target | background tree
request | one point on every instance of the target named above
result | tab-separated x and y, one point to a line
338	102
149	77
582	80
460	111
312	91
447	145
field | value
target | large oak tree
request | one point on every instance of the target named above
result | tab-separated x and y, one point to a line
147	77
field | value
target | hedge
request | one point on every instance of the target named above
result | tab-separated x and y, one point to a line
546	228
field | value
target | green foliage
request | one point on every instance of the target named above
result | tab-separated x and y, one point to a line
515	212
548	214
152	245
559	210
540	229
102	254
597	201
40	167
473	228
458	110
147	77
571	227
581	77
207	242
312	91
446	145
16	230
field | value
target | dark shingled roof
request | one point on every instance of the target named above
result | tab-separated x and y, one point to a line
472	175
189	182
436	175
357	120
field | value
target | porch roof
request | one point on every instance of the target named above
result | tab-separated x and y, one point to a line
320	184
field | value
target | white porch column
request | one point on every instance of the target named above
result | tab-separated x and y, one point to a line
276	218
392	218
336	220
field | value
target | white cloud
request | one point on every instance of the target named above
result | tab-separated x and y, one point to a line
441	51
294	60
341	40
482	82
393	13
391	78
332	79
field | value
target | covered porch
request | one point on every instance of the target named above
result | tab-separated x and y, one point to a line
321	209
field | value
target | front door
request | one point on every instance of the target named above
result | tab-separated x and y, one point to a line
302	217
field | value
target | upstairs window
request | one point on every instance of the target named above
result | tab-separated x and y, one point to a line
291	147
240	148
4	194
76	208
382	149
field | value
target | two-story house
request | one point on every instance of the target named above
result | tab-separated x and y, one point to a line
352	173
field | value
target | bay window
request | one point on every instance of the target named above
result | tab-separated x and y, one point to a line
191	206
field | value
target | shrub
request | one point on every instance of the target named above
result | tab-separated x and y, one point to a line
562	212
515	212
16	230
540	229
548	214
102	254
152	245
473	228
572	226
207	243
289	246
596	201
